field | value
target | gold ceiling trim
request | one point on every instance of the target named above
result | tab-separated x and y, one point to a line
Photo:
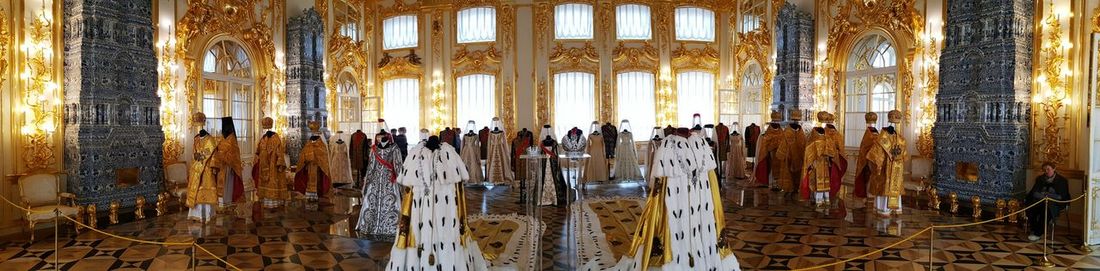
563	59
898	20
466	62
645	58
705	58
407	66
237	18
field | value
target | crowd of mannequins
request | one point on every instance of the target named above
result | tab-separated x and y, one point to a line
811	162
414	196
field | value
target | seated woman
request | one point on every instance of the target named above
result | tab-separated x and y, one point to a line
1048	185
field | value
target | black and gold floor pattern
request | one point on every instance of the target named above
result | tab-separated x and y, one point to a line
769	231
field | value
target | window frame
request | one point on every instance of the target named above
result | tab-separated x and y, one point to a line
416	20
250	126
558	129
649	10
591	18
714	93
638	131
494	94
874	75
714	22
458	25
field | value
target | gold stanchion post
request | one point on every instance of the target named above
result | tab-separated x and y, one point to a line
56	235
1045	261
931	246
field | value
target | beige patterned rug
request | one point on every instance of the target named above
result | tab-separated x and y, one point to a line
606	229
510	241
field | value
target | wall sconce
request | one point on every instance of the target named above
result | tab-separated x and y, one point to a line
39	110
1052	87
439	105
169	99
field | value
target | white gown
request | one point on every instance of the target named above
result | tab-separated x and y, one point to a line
435	221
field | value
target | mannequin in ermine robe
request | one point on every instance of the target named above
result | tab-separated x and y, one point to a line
270	169
887	159
471	157
680	226
228	166
773	156
554	188
863	182
432	227
380	211
312	178
202	186
339	161
498	166
595	169
795	138
626	157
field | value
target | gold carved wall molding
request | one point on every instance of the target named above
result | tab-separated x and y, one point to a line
644	58
466	62
345	55
242	20
580	59
5	46
506	33
898	20
755	47
408	66
704	58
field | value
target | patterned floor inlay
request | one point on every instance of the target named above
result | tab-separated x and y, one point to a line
767	230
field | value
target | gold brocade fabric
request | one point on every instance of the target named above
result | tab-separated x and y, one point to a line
227	156
796	146
271	160
736	158
201	184
889	155
618	219
776	151
874	182
497	235
498	167
314	160
405	238
816	163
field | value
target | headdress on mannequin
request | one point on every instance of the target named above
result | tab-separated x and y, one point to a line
625	125
894	116
227	127
471	126
595	127
198	119
776	117
825	117
382	127
497	124
424	134
736	126
696	119
267	123
871	118
314	126
796	115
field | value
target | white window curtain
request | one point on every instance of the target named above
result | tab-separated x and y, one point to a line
636	102
695	95
693	23
574	101
632	22
399	32
750	22
752	96
349	107
573	21
477	25
350	30
401	106
476	99
871	86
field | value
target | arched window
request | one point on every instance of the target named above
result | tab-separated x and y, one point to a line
401	105
636	102
399	32
574	101
476	99
752	15
477	25
573	21
871	85
752	96
694	23
227	83
632	22
695	95
348	104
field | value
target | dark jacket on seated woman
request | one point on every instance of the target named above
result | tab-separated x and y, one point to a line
1048	185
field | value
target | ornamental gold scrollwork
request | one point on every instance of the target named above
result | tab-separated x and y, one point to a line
239	19
1052	91
39	111
508	116
928	50
5	46
399	7
643	58
899	20
575	58
467	62
399	67
755	46
507	32
705	58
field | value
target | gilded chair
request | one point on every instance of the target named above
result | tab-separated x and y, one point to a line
920	176
40	195
175	176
